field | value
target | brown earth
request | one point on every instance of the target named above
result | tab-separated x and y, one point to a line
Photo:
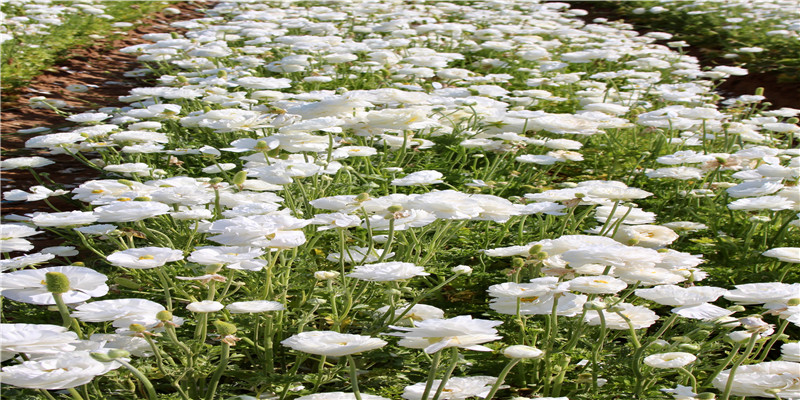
100	64
778	94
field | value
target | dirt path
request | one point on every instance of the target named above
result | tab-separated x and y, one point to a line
102	68
779	94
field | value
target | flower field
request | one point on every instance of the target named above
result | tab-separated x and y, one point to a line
408	200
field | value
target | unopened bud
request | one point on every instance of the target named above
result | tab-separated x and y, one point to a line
102	357
759	91
594	305
126	182
240	177
222	73
792	120
164	316
225	328
362	197
118	353
395	208
181	79
215	181
56	282
736	308
78	264
393	292
213	268
688	347
138	328
141	198
517	263
793	302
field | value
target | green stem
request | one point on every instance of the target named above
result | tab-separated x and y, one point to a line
729	385
501	378
67	320
431	374
74	393
151	391
448	373
223	363
353	376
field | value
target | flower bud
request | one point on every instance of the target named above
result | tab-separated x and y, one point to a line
215	181
594	305
517	263
164	316
138	328
213	268
240	177
395	208
462	269
759	91
326	275
225	328
535	249
792	120
393	292
127	283
793	302
688	347
119	353
102	357
56	282
522	351
362	197
706	396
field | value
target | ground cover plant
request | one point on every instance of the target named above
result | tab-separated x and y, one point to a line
391	200
762	36
36	34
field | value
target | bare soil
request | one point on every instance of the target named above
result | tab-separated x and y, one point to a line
778	94
100	65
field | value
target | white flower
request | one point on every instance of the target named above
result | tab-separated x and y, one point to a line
759	380
650	236
24	162
329	343
35	340
65	370
28	286
339	396
522	351
122	312
144	257
129	211
670	360
60	219
785	254
387	271
436	334
419	178
790	352
601	284
638	316
761	293
254	306
205	306
455	389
